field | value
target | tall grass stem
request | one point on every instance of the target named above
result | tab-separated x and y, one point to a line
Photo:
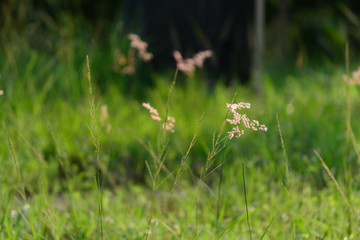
95	136
246	202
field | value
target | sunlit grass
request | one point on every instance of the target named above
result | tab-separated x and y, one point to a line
51	159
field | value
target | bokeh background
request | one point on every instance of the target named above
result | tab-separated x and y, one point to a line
296	33
288	58
43	74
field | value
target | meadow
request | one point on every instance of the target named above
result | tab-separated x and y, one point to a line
81	158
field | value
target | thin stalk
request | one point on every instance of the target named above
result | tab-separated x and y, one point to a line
20	181
288	177
160	158
345	199
185	158
246	203
219	196
350	134
216	148
95	137
19	175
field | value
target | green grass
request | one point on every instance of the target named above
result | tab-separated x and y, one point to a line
45	107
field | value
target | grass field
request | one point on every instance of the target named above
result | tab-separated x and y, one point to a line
80	165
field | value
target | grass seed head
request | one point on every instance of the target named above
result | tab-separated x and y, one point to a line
140	46
189	65
354	79
241	119
168	125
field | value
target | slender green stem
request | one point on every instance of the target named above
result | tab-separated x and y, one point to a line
20	178
246	204
219	196
95	137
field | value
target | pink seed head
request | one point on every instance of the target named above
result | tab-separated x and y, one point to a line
156	118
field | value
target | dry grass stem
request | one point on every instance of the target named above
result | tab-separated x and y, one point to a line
89	80
214	169
94	125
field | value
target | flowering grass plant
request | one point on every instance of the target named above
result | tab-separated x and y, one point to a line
354	79
168	125
239	120
188	65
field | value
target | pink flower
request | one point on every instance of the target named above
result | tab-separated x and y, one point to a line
154	114
147	57
355	79
237	131
171	119
188	65
177	56
200	57
263	128
169	126
141	46
156	118
239	119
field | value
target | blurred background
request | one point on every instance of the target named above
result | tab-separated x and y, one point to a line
294	50
287	58
295	33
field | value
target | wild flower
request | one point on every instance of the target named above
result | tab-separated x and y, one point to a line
355	79
154	113
1	92
188	65
168	125
127	64
241	119
141	46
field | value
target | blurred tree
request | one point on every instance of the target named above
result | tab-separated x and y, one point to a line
188	26
295	29
46	17
315	30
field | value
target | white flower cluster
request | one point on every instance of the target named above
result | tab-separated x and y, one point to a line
141	46
188	65
168	126
239	119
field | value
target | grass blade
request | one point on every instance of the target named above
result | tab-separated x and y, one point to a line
266	229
